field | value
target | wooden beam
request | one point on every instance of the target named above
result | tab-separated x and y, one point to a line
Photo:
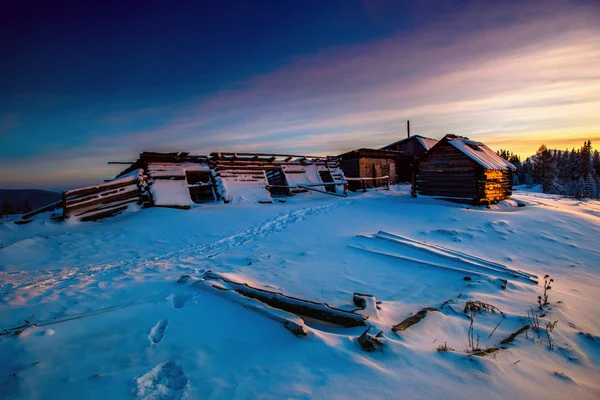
301	307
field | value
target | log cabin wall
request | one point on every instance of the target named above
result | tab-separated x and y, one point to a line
498	185
465	171
448	173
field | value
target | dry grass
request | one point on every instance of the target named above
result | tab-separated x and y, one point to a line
444	347
479	306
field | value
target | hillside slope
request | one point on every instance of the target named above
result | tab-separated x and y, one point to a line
94	310
37	198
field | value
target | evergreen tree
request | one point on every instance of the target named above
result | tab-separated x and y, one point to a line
27	207
526	173
515	179
562	170
578	188
544	169
529	180
574	173
585	158
7	208
589	188
596	162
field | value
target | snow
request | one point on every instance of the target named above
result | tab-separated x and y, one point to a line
302	176
481	154
244	187
171	193
111	321
426	142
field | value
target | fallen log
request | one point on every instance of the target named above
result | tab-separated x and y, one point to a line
369	342
303	308
410	321
50	207
290	321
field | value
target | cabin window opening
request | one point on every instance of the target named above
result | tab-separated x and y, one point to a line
201	186
326	177
278	185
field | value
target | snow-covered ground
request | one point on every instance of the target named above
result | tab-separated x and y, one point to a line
103	316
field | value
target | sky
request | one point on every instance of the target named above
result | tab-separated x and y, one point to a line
84	83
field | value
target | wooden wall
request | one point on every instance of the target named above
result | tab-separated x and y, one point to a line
106	200
369	167
498	185
447	172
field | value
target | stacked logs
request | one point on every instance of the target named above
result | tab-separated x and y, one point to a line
105	200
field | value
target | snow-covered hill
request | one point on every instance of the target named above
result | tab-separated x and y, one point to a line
93	310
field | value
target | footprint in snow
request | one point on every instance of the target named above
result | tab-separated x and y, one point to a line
178	299
165	381
158	331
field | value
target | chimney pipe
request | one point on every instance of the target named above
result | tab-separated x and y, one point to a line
408	128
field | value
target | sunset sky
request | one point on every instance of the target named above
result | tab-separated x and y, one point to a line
87	82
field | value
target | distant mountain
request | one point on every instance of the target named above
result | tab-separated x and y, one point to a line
36	198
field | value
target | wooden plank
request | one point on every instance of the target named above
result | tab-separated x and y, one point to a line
95	189
133	191
105	207
49	207
305	308
104	214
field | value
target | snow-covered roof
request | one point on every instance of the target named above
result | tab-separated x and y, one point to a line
426	142
481	154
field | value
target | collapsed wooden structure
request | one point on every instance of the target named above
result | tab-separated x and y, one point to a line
181	180
463	170
106	200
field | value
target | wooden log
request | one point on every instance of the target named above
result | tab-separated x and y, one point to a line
49	207
369	342
175	206
167	177
79	213
104	214
410	321
133	194
290	321
102	197
95	189
304	308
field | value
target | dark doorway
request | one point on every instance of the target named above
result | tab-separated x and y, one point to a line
326	177
277	183
201	186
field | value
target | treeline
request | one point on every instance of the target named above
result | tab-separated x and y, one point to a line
8	209
572	173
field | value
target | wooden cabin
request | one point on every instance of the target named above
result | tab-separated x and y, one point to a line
368	168
409	150
463	170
